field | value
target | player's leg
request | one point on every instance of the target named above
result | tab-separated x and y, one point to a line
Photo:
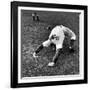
37	18
56	56
44	44
59	44
72	41
33	18
37	50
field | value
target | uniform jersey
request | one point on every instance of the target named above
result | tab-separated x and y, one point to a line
60	29
59	33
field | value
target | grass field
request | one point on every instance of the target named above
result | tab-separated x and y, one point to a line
34	33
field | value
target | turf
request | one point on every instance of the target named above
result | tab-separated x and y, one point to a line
34	33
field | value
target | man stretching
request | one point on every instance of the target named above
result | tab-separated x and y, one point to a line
56	37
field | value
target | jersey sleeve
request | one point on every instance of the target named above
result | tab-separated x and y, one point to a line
69	32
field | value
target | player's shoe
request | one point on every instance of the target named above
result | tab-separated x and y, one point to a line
51	64
34	55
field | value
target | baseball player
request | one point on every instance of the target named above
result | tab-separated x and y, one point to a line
35	16
56	37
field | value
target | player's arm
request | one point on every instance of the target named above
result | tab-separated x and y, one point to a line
72	39
54	37
70	32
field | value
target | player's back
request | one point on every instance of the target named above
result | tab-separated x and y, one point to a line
57	31
68	31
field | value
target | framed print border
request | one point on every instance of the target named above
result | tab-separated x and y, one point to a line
14	43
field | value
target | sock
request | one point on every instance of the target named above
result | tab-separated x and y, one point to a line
39	49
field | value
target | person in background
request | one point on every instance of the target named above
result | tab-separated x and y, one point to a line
35	16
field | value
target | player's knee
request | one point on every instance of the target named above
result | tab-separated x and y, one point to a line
46	43
59	47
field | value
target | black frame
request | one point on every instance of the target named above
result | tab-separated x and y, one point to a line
14	44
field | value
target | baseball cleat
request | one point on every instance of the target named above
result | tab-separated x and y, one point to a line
34	55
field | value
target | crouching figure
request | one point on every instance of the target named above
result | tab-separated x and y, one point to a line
57	37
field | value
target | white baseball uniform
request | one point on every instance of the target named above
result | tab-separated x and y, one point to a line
59	31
